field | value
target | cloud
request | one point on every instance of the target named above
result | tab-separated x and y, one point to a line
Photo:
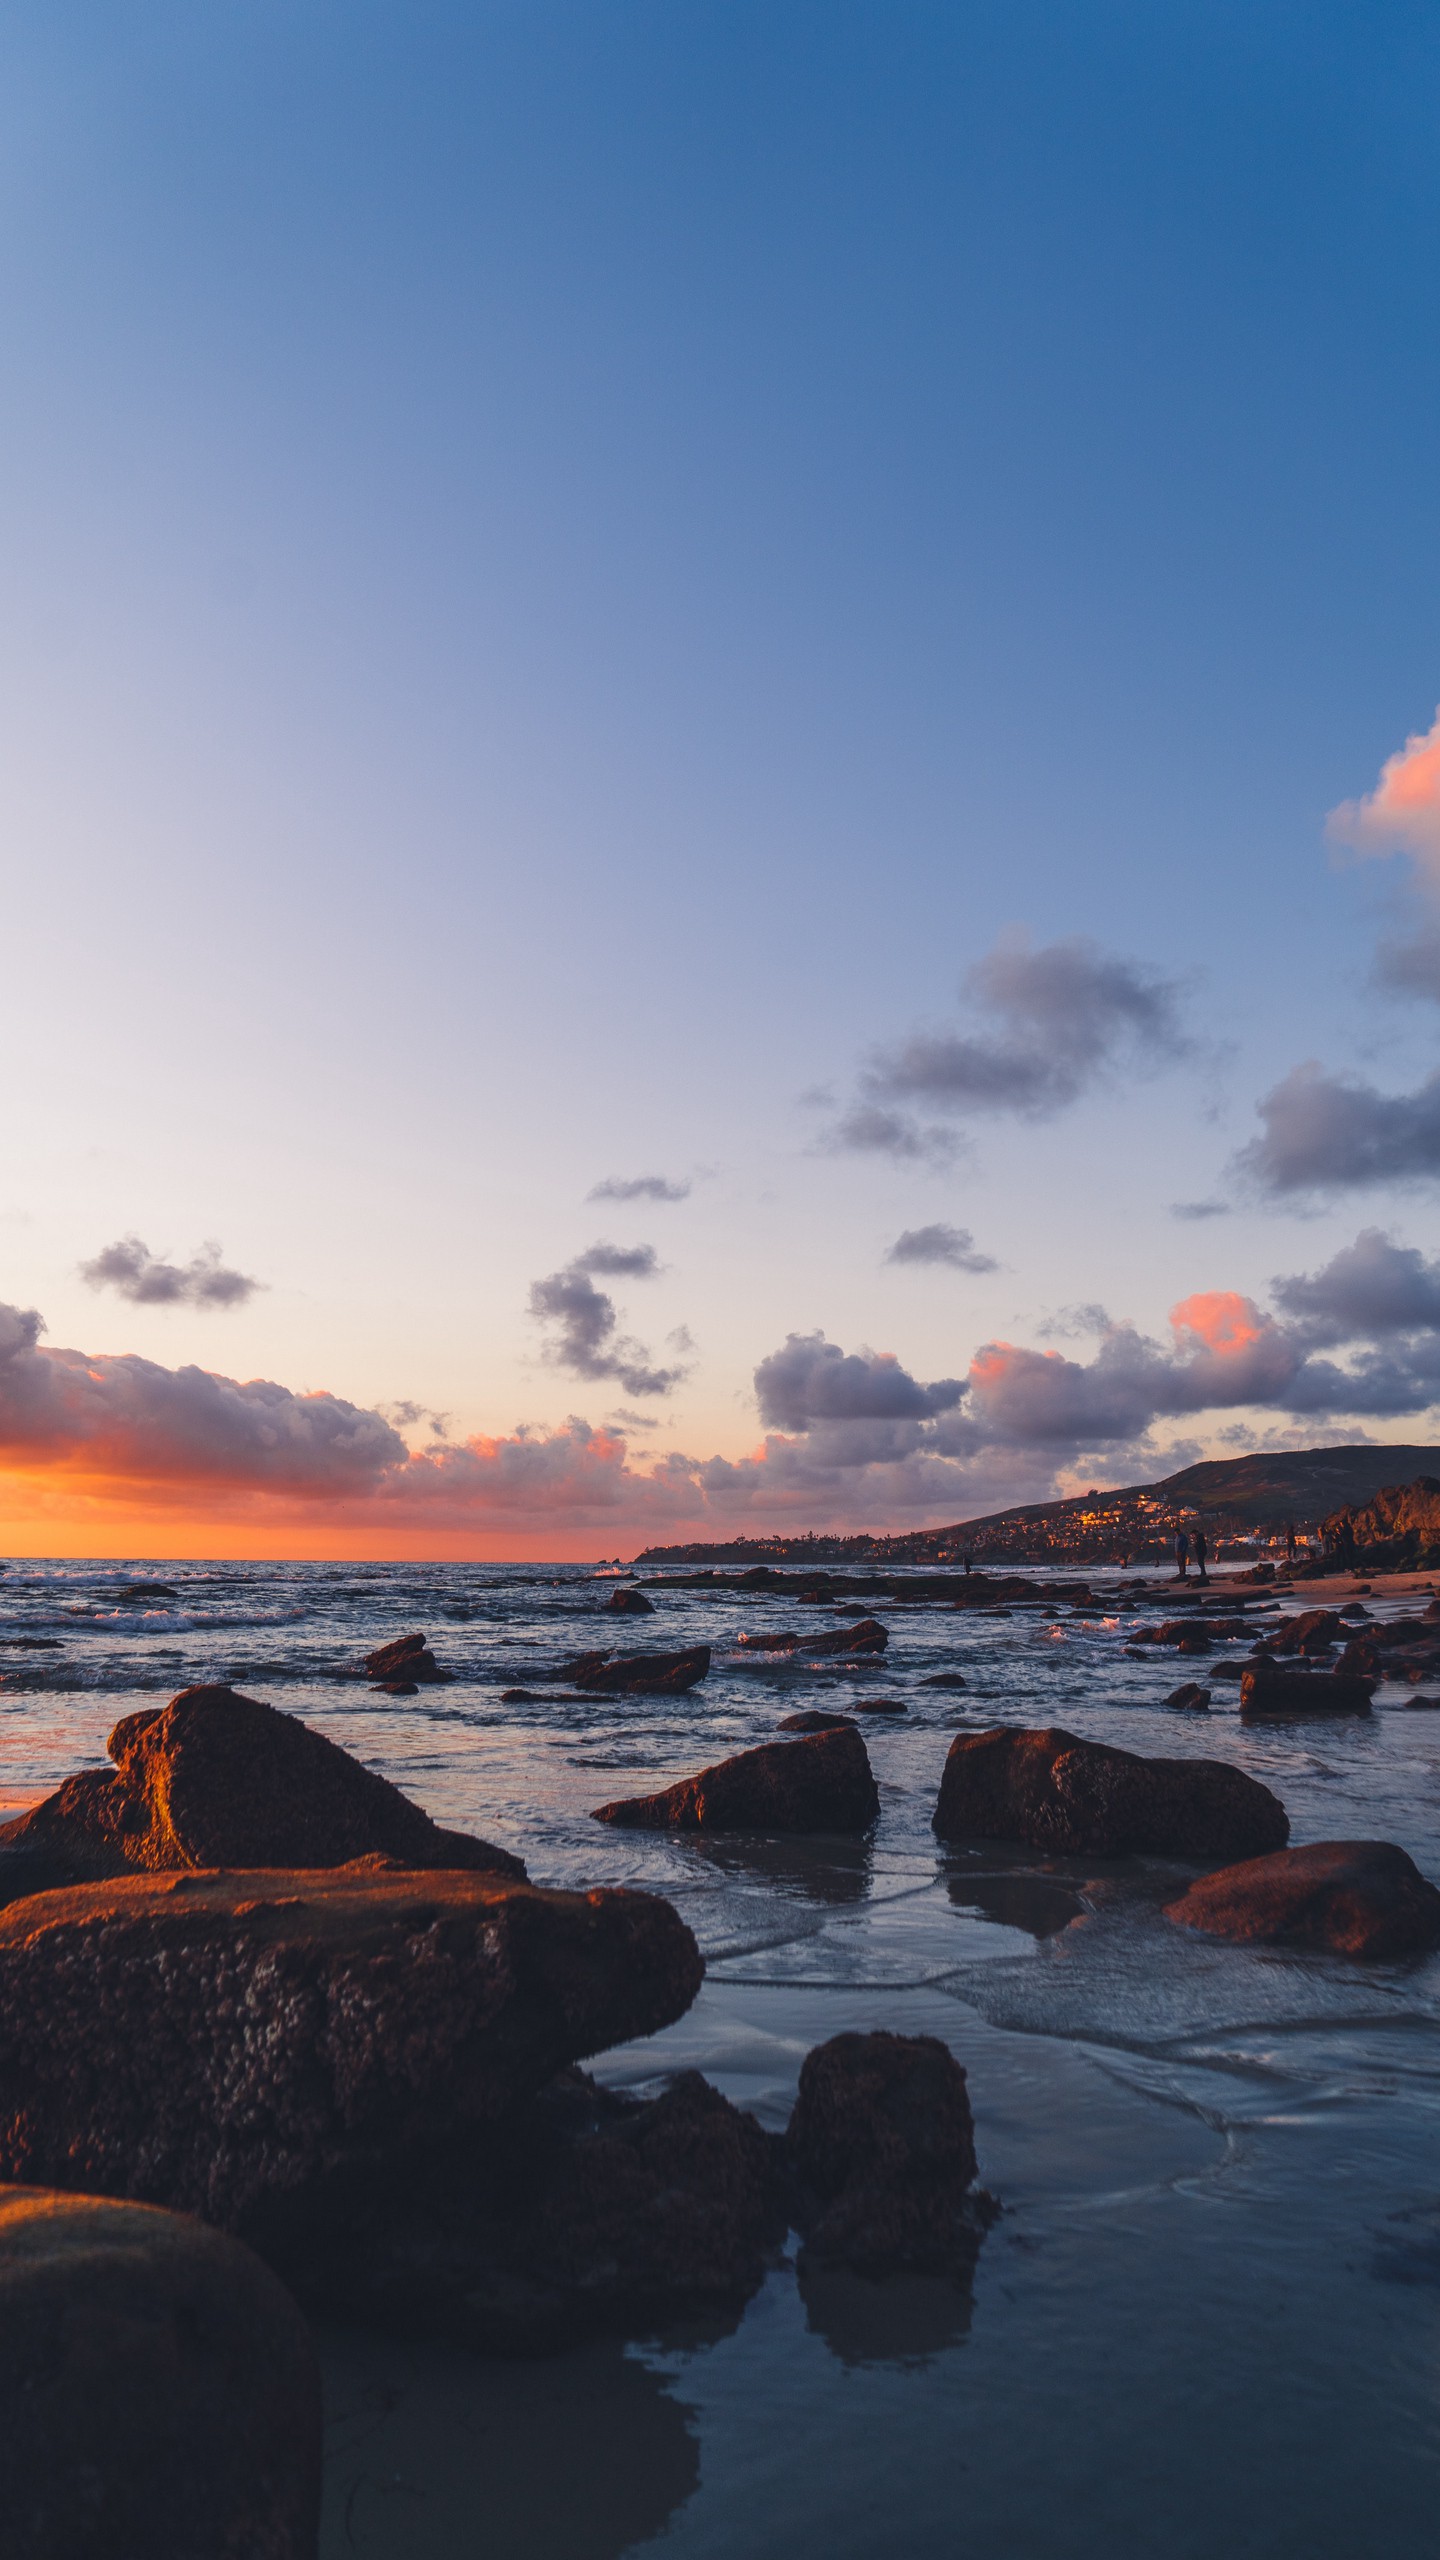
1402	813
619	1261
1196	1209
1061	1018
1372	1288
131	1269
1325	1132
119	1415
867	1130
585	1337
952	1245
643	1186
811	1380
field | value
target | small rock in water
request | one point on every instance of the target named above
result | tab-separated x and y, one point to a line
1266	1691
630	1604
408	1658
159	2391
945	1680
881	1707
147	1591
822	1782
663	1675
1350	1897
813	1720
1189	1694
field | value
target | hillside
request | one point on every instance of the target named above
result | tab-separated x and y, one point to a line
1232	1497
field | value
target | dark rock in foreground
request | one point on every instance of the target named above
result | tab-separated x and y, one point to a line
1264	1691
883	2152
820	1783
1048	1787
1352	1897
220	1780
584	2212
159	2393
630	1604
408	1660
644	1675
274	2050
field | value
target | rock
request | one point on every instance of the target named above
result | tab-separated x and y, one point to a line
868	1636
276	2050
1416	1702
1360	1659
1264	1691
820	1783
585	2211
1048	1787
1190	1695
147	1591
408	1659
638	1674
159	2391
34	1644
881	1707
814	1720
883	2152
945	1680
1314	1631
630	1604
1398	1527
783	1640
220	1780
1352	1897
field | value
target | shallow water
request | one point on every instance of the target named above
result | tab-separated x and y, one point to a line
1209	2318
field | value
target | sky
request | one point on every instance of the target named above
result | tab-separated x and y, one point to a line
719	762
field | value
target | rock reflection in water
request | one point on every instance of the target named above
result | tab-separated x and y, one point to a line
827	1868
432	2452
903	2320
1017	1898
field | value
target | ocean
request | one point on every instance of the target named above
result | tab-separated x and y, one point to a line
1208	2319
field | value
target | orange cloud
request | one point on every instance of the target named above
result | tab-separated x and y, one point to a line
1402	813
1224	1322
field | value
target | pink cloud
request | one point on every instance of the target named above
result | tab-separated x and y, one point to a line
1402	813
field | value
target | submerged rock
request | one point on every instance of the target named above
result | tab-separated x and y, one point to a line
814	1720
409	1660
1352	1897
159	2391
638	1674
274	2050
1266	1691
1060	1793
822	1782
220	1780
585	2211
945	1680
883	2152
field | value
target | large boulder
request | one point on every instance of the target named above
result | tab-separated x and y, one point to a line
1267	1691
821	1782
882	2148
866	1636
220	1780
1352	1897
1313	1631
270	2050
584	2211
1047	1787
630	1604
159	2393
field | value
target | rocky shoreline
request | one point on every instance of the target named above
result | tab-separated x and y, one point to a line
276	2046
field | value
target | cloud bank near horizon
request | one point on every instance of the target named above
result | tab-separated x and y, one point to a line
850	1438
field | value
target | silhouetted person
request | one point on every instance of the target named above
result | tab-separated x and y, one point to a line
1182	1555
1290	1540
1201	1552
967	1564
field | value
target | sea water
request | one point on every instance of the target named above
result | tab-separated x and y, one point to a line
1208	2320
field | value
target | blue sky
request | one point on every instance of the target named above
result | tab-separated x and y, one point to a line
569	573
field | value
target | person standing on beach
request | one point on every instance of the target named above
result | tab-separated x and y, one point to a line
1201	1552
1182	1556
